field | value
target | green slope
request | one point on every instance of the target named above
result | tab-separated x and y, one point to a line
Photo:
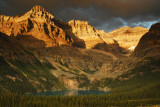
25	77
143	81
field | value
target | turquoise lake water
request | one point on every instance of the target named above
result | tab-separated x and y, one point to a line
71	92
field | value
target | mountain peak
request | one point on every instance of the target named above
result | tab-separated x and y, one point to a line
39	13
75	22
38	8
36	25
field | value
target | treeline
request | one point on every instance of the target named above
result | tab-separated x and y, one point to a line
10	100
144	96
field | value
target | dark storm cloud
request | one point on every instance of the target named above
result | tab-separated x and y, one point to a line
102	14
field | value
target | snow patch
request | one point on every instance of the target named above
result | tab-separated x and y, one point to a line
131	48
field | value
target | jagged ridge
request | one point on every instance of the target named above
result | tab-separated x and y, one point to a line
37	23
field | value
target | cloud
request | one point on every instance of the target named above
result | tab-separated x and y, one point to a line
3	3
118	22
145	24
102	14
4	7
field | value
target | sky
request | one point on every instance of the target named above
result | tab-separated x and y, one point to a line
102	14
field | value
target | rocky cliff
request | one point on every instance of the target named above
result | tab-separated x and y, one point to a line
36	23
149	44
92	37
126	37
38	28
83	30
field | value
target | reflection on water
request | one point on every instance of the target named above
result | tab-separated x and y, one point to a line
71	92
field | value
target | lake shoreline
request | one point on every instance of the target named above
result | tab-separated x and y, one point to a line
70	93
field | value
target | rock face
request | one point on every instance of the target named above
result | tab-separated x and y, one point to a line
150	42
35	24
70	83
126	37
84	31
91	37
38	28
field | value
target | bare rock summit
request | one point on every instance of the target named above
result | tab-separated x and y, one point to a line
36	26
89	34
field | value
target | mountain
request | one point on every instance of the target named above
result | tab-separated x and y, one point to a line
140	79
40	53
126	37
39	24
144	60
35	24
149	43
35	45
84	31
92	37
21	71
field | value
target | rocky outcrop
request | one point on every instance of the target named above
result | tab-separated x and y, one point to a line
84	31
126	37
36	23
70	83
91	37
149	44
121	40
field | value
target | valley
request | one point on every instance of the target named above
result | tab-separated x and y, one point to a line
39	53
